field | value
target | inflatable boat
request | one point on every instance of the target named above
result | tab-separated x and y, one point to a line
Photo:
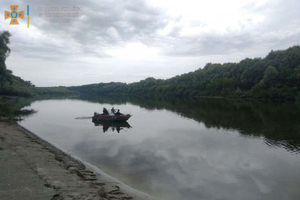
112	118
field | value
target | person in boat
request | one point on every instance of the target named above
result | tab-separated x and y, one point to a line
113	110
105	112
118	112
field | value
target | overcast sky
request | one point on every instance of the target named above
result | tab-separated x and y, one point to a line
130	40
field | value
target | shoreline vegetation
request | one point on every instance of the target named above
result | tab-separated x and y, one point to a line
38	170
273	78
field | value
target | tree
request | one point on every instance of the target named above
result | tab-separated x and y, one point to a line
270	77
4	53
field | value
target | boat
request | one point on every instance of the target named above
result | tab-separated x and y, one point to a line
112	117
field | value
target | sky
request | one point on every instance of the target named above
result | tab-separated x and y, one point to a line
130	40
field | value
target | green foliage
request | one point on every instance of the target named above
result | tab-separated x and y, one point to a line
275	77
101	89
10	106
4	52
61	90
11	85
298	100
270	77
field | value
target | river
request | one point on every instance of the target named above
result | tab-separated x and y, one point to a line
182	149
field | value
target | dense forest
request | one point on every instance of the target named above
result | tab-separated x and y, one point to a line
275	77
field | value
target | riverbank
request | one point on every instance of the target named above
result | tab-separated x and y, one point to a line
31	168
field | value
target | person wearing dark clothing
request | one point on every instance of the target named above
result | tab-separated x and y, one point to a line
113	110
118	112
105	112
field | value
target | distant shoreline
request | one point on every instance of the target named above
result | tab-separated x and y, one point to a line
59	175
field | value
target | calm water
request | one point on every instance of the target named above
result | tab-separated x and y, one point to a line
175	150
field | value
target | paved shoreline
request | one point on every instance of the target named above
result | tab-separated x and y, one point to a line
31	168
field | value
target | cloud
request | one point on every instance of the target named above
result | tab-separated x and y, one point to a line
176	36
190	165
100	25
256	25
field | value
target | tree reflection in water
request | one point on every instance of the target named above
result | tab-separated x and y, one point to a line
277	123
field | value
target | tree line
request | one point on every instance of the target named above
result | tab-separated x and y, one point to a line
275	77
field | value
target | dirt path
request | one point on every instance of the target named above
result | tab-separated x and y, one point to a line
31	168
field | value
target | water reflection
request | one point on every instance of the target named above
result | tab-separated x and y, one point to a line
113	126
184	149
277	123
12	107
